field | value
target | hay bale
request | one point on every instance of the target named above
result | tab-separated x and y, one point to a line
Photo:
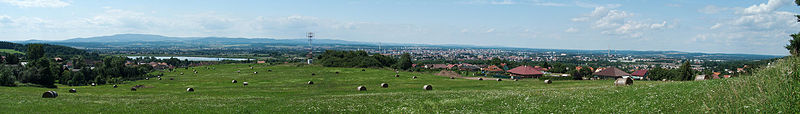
269	70
499	79
313	74
516	80
337	72
73	90
384	85
93	84
623	81
452	77
115	85
664	80
251	68
396	75
234	81
427	87
133	88
244	83
238	71
361	88
415	77
480	78
181	73
310	82
548	81
255	72
171	78
363	69
195	72
190	89
146	78
159	78
50	94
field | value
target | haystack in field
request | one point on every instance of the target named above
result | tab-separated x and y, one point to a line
313	74
415	77
516	80
361	88
623	81
146	78
548	81
181	73
384	85
396	75
115	86
337	72
255	72
499	79
73	90
245	83
452	77
238	71
480	78
363	69
93	84
133	88
234	81
310	82
190	89
50	94
171	78
159	78
269	70
427	87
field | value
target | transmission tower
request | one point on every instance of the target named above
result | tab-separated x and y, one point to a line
310	54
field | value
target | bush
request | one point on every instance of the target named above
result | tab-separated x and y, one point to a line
6	78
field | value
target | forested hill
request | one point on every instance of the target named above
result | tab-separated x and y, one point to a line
52	50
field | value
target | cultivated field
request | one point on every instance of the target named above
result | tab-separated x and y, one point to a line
285	90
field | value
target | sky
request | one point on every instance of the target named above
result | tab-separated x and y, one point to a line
709	26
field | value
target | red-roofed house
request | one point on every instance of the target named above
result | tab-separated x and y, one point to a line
715	75
611	72
639	74
525	72
493	68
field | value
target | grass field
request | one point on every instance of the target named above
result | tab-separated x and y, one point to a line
284	90
11	51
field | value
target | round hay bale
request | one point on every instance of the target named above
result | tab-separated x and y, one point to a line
234	81
93	84
452	77
269	70
384	85
623	81
548	81
238	71
73	90
664	80
396	75
133	88
415	77
499	79
50	94
171	78
181	73
516	80
146	78
190	89
427	87
310	82
159	78
251	68
244	83
337	72
195	72
255	72
115	85
363	69
480	78
361	88
313	74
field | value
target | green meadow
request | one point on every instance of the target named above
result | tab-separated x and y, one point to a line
285	90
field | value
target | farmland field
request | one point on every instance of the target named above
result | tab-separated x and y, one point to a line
11	51
285	90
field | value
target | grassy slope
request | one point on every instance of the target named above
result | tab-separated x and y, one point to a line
284	90
11	51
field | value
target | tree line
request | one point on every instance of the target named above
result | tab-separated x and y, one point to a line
362	59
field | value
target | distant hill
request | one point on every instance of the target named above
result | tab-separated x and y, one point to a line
50	50
148	41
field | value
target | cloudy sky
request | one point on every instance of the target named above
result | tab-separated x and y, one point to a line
736	26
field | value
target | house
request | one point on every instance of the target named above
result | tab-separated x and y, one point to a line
611	73
525	72
726	76
468	67
261	62
701	77
493	68
715	75
639	74
439	66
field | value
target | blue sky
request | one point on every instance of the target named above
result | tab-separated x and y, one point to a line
740	26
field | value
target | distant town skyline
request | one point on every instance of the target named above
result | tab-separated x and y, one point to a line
746	27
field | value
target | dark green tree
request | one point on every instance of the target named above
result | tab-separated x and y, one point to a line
794	45
404	62
12	59
6	77
34	51
686	72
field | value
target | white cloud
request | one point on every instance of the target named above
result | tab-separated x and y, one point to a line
37	3
504	2
711	9
617	22
490	30
770	6
571	30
